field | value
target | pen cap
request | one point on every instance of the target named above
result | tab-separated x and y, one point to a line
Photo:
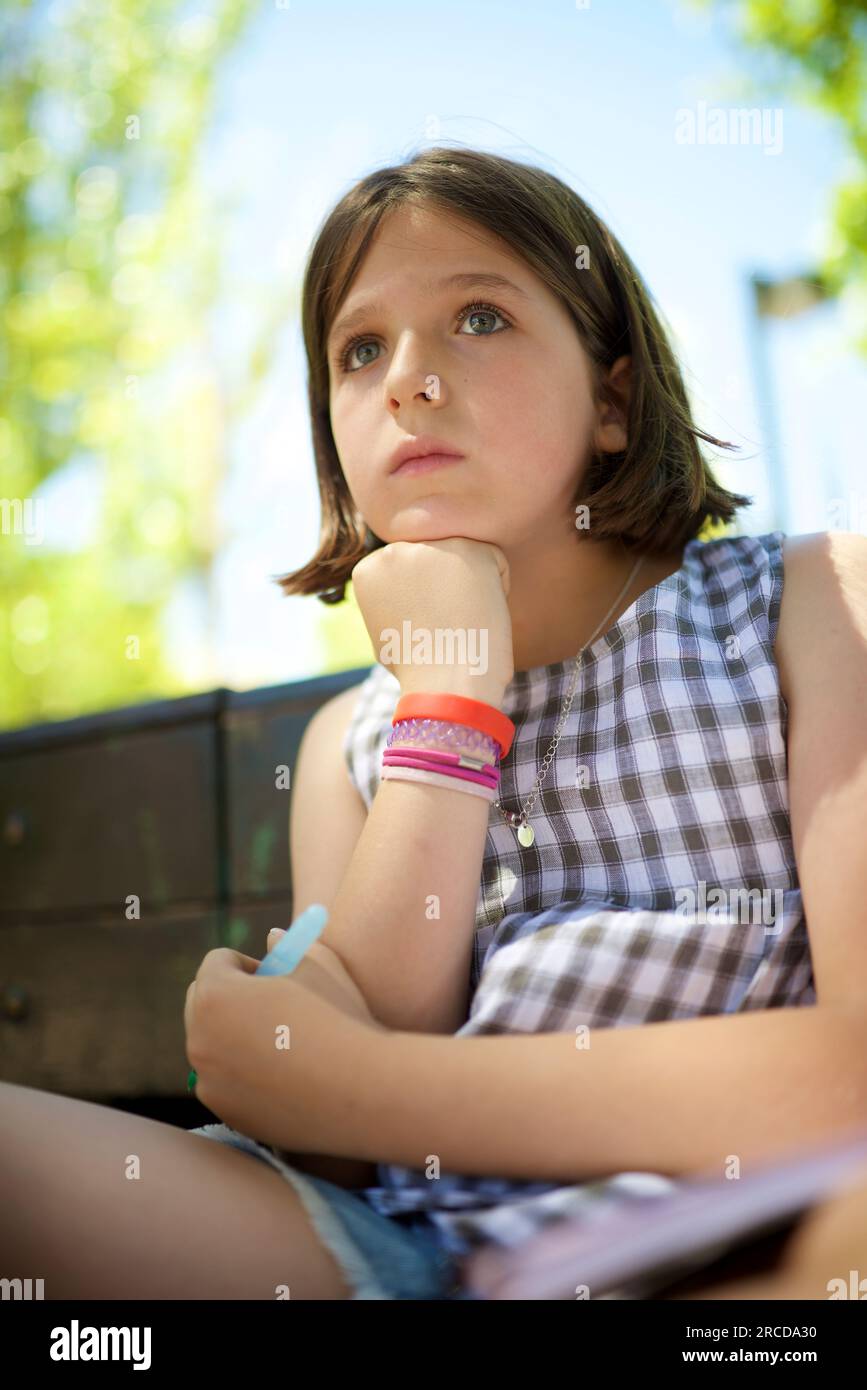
297	940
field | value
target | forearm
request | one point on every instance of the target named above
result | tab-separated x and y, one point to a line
404	918
673	1098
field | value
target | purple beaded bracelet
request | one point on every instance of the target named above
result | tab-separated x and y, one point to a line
443	736
436	748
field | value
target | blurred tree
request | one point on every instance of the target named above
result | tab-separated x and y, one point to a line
109	264
816	52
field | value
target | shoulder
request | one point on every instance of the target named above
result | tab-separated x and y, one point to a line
337	712
347	700
322	763
353	719
823	608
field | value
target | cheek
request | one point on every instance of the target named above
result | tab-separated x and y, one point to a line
348	435
531	418
530	392
359	467
353	416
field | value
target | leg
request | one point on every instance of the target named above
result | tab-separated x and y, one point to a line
202	1221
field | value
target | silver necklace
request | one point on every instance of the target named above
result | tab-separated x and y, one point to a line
518	820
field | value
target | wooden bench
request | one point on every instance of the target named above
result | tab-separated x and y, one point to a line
132	842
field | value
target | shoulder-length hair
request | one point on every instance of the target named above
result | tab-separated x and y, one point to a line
654	495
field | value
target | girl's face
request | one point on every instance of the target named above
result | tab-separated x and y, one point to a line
508	385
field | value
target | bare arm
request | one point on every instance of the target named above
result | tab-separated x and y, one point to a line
400	882
674	1097
404	916
373	872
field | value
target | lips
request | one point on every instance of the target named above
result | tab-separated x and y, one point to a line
426	463
424	446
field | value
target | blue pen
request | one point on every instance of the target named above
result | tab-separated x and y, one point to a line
289	951
295	942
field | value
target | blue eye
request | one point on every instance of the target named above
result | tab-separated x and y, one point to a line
469	310
350	348
473	310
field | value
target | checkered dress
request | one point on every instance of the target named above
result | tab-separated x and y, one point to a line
662	882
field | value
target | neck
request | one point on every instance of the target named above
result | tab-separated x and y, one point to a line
558	596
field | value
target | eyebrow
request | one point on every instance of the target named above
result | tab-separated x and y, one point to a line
462	280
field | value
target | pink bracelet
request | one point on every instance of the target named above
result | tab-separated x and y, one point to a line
443	754
408	758
436	779
433	755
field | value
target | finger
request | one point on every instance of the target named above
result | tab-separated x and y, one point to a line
505	571
249	964
223	961
188	1007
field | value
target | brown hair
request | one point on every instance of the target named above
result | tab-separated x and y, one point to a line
656	494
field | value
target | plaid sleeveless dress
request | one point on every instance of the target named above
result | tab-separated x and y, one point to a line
662	882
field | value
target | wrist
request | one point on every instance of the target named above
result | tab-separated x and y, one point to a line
487	689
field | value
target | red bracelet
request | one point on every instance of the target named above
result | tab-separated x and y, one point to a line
475	714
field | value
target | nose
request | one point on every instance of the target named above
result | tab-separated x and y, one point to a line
412	375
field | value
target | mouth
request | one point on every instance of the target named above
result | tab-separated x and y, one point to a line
425	463
421	454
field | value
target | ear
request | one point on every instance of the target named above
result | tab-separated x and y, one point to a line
612	425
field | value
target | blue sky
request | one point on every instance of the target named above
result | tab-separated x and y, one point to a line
317	95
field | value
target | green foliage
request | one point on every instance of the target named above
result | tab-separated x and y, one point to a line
109	265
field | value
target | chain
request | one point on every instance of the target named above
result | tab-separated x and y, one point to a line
518	820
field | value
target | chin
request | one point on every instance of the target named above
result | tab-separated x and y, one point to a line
426	528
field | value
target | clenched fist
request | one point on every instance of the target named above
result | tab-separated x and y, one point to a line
457	587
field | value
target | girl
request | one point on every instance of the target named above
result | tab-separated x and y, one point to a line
658	734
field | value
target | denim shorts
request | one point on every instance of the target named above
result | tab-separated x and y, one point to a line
379	1257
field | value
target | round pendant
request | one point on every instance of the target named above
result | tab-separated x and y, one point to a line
526	835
